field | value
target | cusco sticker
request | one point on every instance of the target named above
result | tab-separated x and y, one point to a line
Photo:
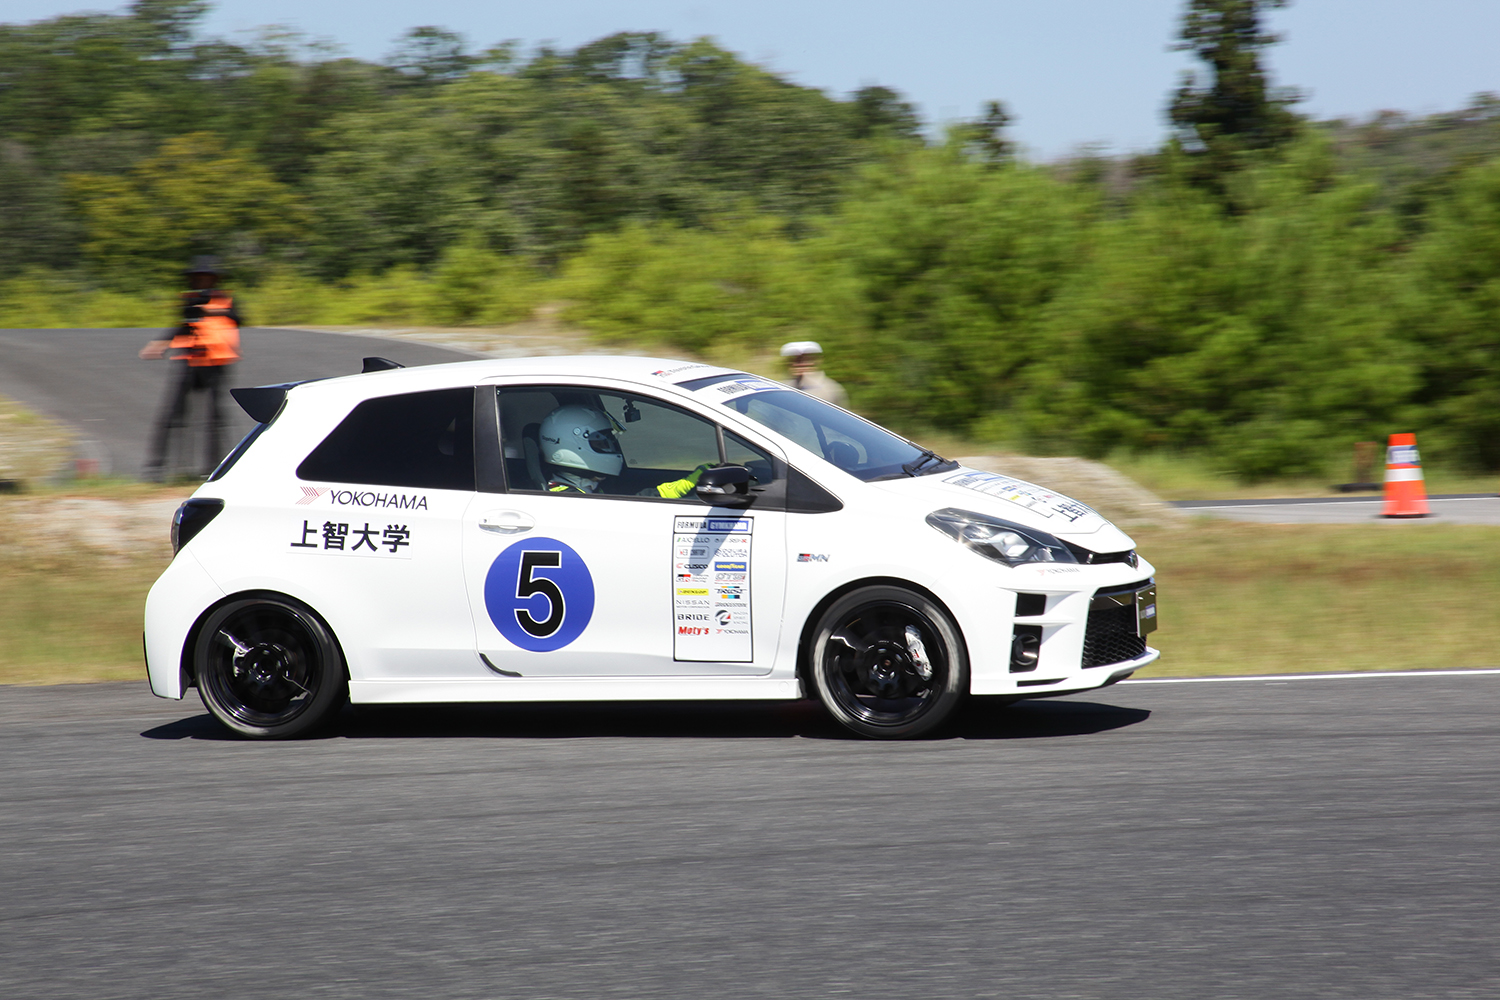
540	594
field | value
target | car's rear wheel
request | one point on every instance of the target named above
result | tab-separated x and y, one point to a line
888	662
268	668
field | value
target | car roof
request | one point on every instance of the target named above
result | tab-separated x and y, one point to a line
664	373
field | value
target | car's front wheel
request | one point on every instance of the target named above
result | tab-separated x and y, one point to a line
268	668
888	662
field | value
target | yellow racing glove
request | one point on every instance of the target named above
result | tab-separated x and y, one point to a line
679	488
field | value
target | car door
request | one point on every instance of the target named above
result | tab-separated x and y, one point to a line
619	580
374	533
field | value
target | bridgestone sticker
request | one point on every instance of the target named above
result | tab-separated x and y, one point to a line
1028	495
711	589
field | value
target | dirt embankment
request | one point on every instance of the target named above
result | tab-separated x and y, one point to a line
1122	500
32	447
113	529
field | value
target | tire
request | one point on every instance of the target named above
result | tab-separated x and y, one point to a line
268	668
888	663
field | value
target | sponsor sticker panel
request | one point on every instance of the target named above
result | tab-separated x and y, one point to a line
711	589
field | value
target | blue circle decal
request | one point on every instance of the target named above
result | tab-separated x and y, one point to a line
539	594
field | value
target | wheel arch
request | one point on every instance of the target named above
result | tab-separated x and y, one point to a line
809	625
187	674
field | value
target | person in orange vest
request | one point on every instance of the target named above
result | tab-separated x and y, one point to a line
201	349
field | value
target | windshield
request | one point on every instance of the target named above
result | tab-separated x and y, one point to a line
855	445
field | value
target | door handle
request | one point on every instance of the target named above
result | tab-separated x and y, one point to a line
507	522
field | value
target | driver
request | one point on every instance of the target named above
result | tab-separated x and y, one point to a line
580	451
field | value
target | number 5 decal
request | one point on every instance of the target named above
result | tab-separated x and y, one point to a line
527	584
540	594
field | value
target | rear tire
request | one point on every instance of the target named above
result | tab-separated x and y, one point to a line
889	663
268	668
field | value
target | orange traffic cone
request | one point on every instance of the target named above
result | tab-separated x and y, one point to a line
1405	494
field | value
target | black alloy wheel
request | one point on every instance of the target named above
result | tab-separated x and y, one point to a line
268	668
889	663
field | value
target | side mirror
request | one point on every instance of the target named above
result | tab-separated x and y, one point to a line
725	486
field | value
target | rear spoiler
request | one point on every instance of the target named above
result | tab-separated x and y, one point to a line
263	402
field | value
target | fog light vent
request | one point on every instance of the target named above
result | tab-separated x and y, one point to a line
1025	649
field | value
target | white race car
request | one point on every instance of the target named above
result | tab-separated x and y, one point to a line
622	529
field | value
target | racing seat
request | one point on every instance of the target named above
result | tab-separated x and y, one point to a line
531	448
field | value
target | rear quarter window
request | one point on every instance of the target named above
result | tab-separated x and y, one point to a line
420	439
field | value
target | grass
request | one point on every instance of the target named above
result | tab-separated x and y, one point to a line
1240	598
111	488
73	618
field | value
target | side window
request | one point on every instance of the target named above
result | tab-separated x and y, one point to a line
419	439
817	436
738	451
574	440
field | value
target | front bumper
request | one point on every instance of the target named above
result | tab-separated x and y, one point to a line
1088	679
1082	640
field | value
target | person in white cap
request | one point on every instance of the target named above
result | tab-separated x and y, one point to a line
803	357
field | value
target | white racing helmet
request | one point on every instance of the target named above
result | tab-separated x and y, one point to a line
581	437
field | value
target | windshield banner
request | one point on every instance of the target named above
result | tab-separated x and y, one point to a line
739	386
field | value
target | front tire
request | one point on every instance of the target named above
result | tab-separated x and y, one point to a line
888	663
268	668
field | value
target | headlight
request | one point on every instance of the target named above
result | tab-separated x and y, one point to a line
999	540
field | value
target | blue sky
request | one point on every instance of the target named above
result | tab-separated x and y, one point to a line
1073	72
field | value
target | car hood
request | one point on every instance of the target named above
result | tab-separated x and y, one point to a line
1014	500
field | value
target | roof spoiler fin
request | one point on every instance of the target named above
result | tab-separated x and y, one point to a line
262	402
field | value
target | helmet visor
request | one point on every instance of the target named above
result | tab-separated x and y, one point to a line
602	441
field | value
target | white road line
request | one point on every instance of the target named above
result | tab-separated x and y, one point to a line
1316	677
1330	503
1364	502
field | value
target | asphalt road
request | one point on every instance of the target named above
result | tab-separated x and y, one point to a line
93	380
1324	838
1456	508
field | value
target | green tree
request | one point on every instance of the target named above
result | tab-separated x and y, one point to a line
983	139
880	111
1237	112
429	55
955	262
36	228
734	289
195	196
1453	314
1267	339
